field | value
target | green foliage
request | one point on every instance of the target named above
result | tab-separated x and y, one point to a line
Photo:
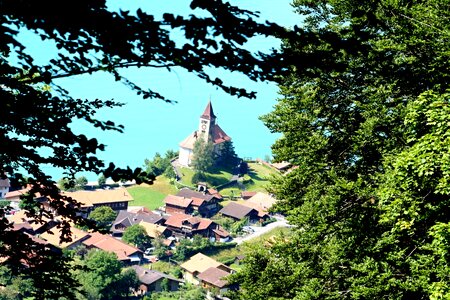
103	216
187	292
203	156
101	277
72	184
38	122
101	180
136	235
227	157
160	165
364	116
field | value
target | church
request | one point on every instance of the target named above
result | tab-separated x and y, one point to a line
208	130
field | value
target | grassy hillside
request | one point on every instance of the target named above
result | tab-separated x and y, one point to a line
151	196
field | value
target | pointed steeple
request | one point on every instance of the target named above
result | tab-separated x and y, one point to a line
208	113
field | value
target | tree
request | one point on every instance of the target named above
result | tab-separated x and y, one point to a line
363	115
36	127
71	185
103	216
137	236
102	277
203	156
101	180
227	157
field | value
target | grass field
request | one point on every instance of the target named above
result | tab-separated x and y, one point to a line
215	178
259	175
151	196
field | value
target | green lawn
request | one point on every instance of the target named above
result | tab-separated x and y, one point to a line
259	175
151	196
215	178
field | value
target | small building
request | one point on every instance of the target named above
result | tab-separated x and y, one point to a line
188	226
117	199
208	130
177	205
263	200
238	212
205	203
198	264
214	278
52	236
282	166
245	195
125	253
152	281
126	219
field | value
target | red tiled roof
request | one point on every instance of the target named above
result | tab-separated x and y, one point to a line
176	220
219	136
208	113
177	201
110	244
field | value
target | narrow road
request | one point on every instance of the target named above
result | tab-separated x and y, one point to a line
281	222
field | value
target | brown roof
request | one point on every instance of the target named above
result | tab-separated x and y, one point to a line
89	198
197	201
208	113
110	244
236	210
214	276
246	194
219	136
148	276
177	201
188	193
221	232
16	194
282	165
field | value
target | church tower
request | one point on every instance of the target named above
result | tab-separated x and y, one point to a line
208	130
207	123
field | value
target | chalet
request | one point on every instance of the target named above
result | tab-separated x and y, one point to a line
282	166
14	197
177	205
151	281
125	253
215	278
52	236
238	212
188	226
203	202
198	264
117	199
208	130
126	219
264	200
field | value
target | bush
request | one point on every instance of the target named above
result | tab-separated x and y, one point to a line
198	177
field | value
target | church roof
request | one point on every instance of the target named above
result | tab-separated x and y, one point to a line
218	136
208	113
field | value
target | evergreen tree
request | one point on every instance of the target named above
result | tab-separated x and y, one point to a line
203	156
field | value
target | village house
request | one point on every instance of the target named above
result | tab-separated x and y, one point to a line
152	281
155	231
53	235
187	226
200	263
208	130
117	199
206	203
177	205
215	278
125	253
27	224
126	219
238	212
